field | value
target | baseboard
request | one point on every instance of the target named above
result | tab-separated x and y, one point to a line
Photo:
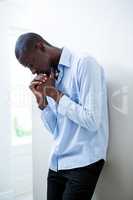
9	195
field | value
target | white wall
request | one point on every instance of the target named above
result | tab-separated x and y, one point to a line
103	29
5	178
10	18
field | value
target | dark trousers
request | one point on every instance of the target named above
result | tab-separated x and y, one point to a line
73	184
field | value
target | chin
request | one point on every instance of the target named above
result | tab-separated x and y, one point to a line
48	72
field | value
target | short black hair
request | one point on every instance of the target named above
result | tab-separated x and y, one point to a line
26	43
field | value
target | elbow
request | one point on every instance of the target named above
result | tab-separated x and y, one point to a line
92	123
96	124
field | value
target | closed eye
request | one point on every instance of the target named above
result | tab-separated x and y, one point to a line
30	66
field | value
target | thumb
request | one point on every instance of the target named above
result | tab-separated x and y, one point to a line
52	75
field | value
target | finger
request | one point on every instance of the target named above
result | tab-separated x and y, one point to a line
35	86
40	76
38	87
52	76
43	79
37	82
33	83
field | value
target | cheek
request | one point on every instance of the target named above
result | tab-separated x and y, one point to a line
47	59
47	62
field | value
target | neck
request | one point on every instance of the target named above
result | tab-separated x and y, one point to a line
56	58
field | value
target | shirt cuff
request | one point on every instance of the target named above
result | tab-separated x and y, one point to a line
46	109
63	104
51	105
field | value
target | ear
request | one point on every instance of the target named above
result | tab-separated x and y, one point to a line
40	45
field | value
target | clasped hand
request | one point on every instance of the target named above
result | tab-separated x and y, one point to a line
43	86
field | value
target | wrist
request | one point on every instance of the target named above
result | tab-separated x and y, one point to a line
54	93
60	94
41	107
44	104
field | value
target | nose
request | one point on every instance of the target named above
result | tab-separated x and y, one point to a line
33	71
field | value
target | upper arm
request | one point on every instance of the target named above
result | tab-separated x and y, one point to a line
90	87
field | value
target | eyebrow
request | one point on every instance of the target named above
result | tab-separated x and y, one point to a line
19	59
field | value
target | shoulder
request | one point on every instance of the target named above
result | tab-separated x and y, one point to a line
88	63
88	67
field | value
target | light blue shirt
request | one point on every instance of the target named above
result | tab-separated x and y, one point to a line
79	122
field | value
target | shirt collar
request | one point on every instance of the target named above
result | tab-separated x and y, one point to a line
65	58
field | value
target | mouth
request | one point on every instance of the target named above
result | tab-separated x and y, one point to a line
39	73
47	73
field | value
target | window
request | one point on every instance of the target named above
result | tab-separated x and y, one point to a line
21	120
21	99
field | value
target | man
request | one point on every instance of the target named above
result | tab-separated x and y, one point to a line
71	93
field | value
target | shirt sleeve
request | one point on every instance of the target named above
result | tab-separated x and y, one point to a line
49	119
87	113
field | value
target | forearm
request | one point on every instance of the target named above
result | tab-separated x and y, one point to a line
87	117
49	120
55	94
